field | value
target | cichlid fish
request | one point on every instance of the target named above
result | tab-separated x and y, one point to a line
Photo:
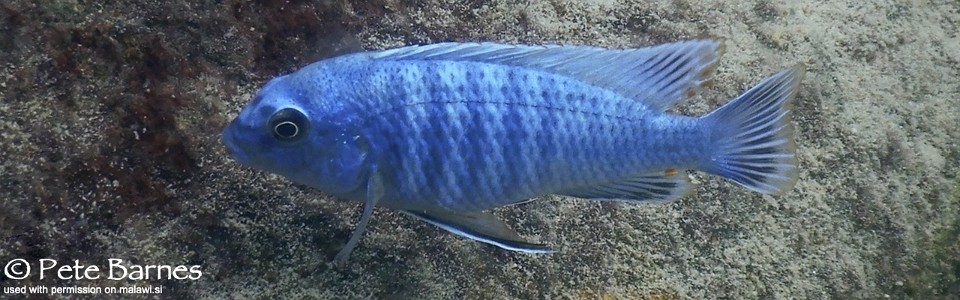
443	132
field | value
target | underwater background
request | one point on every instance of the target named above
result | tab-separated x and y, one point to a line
110	147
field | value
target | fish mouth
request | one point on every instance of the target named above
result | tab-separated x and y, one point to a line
229	139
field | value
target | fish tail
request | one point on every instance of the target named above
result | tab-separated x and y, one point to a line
753	136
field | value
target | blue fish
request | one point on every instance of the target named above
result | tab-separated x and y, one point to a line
444	132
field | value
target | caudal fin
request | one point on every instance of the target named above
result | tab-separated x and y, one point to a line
754	137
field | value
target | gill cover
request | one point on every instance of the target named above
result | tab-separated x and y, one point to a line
348	166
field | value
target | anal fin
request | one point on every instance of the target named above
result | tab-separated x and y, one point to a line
479	226
657	187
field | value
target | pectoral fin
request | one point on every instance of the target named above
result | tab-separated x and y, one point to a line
480	226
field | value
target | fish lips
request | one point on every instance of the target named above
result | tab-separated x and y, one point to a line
231	139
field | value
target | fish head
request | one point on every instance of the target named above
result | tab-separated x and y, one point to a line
288	129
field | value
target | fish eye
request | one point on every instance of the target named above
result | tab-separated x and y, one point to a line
288	125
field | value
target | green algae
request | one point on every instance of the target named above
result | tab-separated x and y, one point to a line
936	274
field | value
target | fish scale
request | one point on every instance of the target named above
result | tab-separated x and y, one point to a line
527	105
443	132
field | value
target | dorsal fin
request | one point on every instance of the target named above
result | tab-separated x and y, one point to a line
659	76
